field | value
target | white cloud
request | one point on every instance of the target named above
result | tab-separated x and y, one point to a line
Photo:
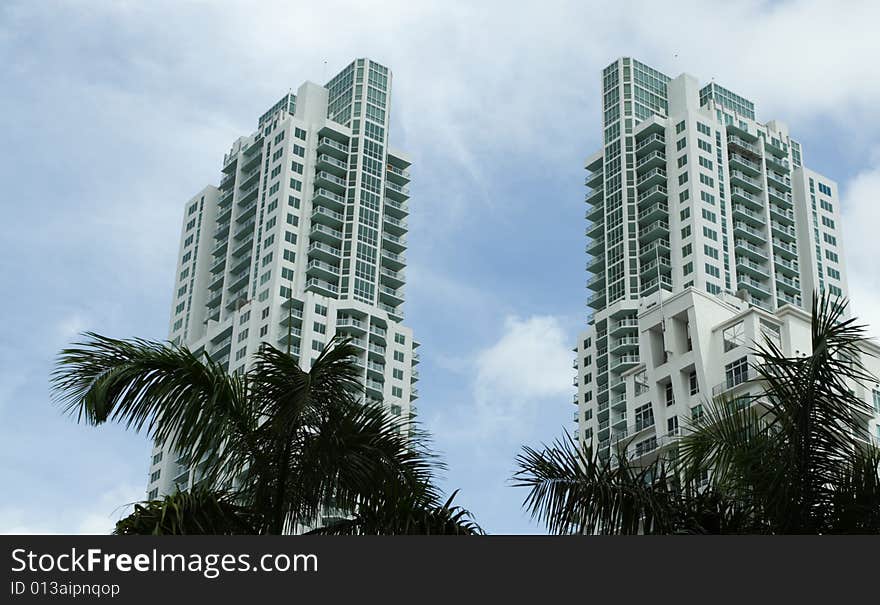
99	518
861	218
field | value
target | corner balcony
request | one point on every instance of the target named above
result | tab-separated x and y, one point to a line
784	216
328	235
756	219
324	252
654	231
333	147
741	229
741	246
319	286
325	197
624	362
594	179
654	142
624	345
655	159
224	213
780	197
331	164
396	261
327	217
596	212
657	210
395	279
395	243
776	147
396	209
738	194
653	268
786	267
657	193
597	282
750	184
656	248
655	176
395	226
320	269
595	196
596	230
393	312
785	249
396	192
740	162
595	246
744	266
596	264
789	285
777	163
784	232
735	381
597	300
663	281
390	296
227	181
756	288
626	325
398	175
330	181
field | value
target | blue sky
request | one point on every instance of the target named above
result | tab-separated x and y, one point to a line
113	114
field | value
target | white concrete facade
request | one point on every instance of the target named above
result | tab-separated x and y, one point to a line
693	200
304	238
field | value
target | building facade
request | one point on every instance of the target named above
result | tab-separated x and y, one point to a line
304	238
699	218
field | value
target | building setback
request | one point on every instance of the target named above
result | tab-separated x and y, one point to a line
303	239
706	232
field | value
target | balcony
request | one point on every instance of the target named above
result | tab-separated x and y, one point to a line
224	213
246	212
780	182
736	380
654	267
740	211
328	162
784	216
395	208
378	369
748	183
655	176
654	142
249	195
391	296
249	179
791	300
742	163
394	225
597	300
624	362
318	268
738	194
750	250
326	234
780	197
755	287
596	264
784	232
596	212
320	286
395	243
735	142
239	279
656	193
352	323
330	181
625	344
395	279
786	267
785	249
597	282
657	210
394	260
656	248
325	252
594	179
327	217
654	231
398	175
745	266
393	312
654	159
663	281
595	246
792	286
596	230
333	147
227	181
625	325
244	248
777	163
325	197
741	229
220	249
244	231
396	192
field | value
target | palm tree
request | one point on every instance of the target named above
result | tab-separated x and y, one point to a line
793	459
275	446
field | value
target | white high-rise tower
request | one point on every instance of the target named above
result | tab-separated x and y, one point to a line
303	239
706	233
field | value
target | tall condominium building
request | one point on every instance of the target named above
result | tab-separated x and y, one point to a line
705	233
303	238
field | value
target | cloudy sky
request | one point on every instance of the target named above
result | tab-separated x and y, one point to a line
114	113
